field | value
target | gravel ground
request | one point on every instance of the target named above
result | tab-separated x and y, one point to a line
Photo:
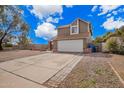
117	62
92	71
14	54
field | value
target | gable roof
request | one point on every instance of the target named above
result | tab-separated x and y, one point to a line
83	20
63	26
72	22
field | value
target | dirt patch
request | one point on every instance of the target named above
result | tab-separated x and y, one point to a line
92	71
9	55
117	62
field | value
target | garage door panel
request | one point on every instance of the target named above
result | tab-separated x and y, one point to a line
70	46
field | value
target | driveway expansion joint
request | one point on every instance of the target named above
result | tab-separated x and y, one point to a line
55	80
22	77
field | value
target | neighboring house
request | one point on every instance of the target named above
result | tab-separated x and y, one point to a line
74	37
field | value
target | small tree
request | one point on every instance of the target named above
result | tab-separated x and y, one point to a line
98	40
11	22
24	41
120	32
107	35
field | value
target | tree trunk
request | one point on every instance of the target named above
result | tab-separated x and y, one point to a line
1	41
1	48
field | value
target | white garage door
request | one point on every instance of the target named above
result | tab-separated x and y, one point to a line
70	46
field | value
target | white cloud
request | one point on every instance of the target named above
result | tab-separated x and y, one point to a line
108	15
121	10
107	8
118	11
53	20
115	12
94	8
48	14
111	24
46	10
69	6
46	30
90	15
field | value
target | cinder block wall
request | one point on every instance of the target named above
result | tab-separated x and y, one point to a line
40	47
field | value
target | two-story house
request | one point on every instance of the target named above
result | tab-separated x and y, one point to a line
74	37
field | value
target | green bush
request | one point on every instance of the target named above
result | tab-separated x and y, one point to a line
8	45
112	45
121	50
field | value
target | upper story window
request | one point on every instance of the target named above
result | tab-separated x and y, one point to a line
74	30
74	27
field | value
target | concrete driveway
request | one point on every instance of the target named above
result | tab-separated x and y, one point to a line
33	71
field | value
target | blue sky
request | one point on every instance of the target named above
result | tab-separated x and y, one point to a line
43	20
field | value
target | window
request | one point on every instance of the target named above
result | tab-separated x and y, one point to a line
74	30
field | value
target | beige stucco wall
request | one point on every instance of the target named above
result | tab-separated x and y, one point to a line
84	43
83	31
63	31
83	26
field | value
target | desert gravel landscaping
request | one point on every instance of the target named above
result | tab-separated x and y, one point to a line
93	71
117	62
14	54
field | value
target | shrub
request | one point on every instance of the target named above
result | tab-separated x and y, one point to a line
112	45
8	45
121	50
